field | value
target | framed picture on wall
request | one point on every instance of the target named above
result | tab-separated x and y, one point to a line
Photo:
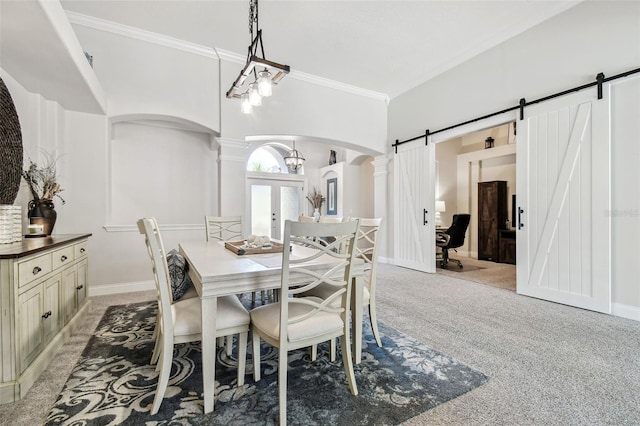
332	196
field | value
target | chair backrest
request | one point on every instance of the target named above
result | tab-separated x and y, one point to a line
298	279
367	248
330	219
227	228
148	226
307	219
458	229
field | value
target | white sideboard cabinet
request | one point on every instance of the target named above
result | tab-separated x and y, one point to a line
43	296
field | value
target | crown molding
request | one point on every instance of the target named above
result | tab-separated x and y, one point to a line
210	52
140	34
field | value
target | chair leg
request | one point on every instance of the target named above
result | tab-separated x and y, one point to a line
229	345
163	379
156	347
332	350
282	384
374	323
255	347
242	356
348	363
314	352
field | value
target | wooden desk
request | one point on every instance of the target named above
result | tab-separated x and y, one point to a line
216	271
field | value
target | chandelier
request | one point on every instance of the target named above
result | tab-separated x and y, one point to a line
294	159
263	80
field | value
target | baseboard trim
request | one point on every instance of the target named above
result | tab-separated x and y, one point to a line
109	289
625	311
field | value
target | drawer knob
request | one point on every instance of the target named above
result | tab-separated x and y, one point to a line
63	258
37	270
80	287
47	314
82	250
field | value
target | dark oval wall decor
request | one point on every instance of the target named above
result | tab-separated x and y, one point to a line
10	148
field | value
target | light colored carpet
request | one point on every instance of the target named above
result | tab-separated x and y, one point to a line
548	364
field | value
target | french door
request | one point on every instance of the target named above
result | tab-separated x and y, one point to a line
414	206
271	202
563	180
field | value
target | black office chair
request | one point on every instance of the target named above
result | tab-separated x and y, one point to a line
452	238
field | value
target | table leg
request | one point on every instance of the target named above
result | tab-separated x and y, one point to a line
357	318
209	308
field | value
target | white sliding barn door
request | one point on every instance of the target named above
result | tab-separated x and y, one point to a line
414	202
563	189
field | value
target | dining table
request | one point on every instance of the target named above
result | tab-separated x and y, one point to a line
217	271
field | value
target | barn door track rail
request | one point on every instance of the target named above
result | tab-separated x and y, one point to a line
600	80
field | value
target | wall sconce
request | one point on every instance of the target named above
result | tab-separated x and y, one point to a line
488	143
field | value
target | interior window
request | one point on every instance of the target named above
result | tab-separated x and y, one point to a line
266	159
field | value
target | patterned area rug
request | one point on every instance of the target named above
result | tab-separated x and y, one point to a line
113	382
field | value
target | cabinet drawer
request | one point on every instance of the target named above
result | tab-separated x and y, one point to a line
81	249
63	257
35	268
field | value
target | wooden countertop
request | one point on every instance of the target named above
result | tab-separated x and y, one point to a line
33	245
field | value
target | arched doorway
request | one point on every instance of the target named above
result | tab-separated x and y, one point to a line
273	193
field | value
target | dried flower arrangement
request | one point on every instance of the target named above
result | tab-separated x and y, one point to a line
42	180
315	198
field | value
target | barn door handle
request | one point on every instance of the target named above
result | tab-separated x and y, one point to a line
520	224
424	217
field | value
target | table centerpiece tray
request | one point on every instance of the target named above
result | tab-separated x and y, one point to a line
241	247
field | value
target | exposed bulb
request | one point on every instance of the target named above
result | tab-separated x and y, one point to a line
254	96
265	87
245	104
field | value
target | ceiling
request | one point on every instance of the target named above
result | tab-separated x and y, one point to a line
387	47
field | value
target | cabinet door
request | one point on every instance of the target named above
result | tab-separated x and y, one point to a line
81	288
487	221
30	325
69	284
51	309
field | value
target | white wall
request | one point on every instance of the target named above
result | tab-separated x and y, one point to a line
144	77
179	86
563	52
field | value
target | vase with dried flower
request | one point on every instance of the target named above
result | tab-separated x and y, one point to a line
42	182
316	199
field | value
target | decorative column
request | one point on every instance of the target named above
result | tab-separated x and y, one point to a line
381	205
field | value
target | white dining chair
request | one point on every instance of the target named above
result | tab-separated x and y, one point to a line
298	322
180	321
366	248
228	228
223	228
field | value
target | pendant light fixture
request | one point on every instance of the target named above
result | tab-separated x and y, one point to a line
264	80
294	159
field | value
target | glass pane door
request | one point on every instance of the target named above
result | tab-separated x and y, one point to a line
271	203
